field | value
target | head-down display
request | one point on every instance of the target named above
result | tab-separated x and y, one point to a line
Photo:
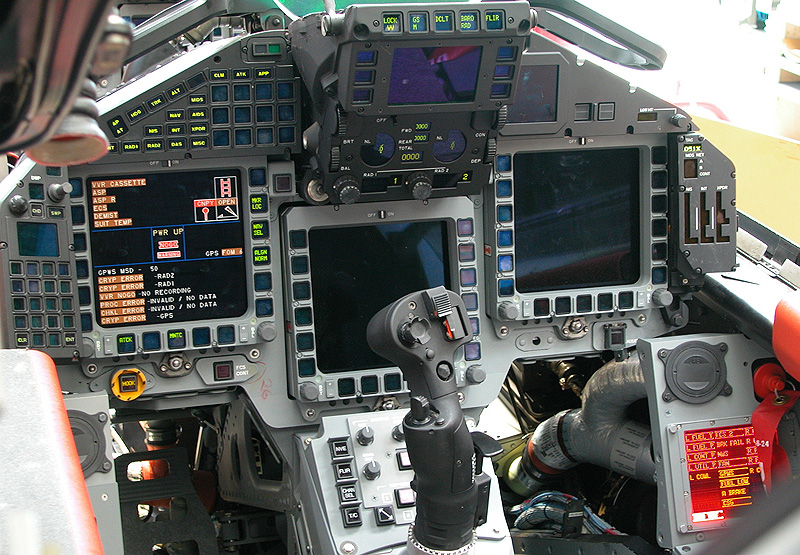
577	219
167	247
356	271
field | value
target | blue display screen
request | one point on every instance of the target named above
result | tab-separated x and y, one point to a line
447	74
36	239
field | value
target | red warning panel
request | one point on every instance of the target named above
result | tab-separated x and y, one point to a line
724	471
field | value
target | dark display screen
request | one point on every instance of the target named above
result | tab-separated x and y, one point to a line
357	271
577	219
724	471
37	239
434	75
167	247
537	95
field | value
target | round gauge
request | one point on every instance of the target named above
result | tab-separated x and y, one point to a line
378	151
451	148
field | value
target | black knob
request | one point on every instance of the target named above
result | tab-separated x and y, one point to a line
372	470
475	374
491	150
662	297
419	185
341	121
398	434
309	391
508	311
57	191
365	436
347	189
420	409
502	117
415	332
18	205
336	153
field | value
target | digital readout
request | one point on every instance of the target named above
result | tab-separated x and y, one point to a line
723	469
692	148
167	247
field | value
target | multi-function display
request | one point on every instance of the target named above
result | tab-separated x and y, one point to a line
167	247
356	271
434	75
577	219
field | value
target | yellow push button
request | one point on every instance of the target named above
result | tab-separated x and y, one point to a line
128	384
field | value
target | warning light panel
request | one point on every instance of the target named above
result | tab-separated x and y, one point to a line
724	471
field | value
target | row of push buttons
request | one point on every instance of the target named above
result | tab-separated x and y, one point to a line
346	480
176	339
347	491
468	277
197	134
443	22
304	336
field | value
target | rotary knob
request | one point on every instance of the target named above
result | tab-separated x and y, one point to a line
508	311
398	434
18	205
372	470
57	191
341	121
365	436
267	331
419	185
347	189
502	117
475	374
679	120
662	297
336	154
415	332
491	150
309	391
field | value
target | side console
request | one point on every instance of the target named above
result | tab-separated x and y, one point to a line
700	392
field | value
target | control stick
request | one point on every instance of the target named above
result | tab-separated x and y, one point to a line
420	334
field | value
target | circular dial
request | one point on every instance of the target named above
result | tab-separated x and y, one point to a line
451	148
379	151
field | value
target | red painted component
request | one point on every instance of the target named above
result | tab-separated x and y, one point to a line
537	462
786	334
80	513
768	379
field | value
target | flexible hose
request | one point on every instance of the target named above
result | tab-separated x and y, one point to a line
599	432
